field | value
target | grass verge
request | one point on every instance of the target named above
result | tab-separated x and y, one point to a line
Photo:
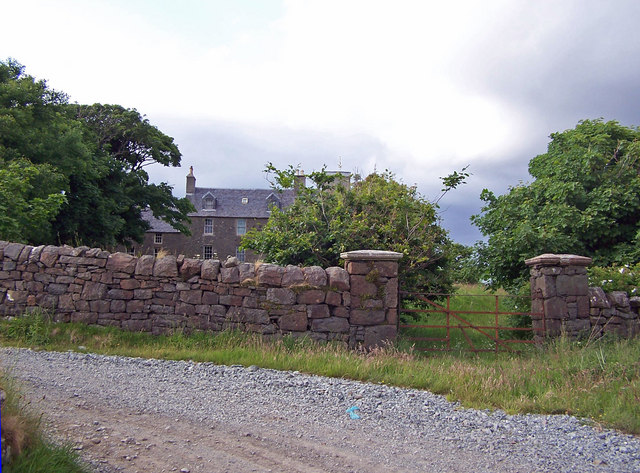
24	448
596	380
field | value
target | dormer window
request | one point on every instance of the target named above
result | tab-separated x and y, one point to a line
273	201
209	202
245	200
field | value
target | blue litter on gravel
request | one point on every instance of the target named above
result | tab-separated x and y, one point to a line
352	412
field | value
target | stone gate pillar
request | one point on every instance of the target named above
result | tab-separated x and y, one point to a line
373	317
559	290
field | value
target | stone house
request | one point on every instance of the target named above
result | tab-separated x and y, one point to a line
221	218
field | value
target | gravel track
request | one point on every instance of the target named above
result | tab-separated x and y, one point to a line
130	414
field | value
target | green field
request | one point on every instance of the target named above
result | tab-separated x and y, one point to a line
465	321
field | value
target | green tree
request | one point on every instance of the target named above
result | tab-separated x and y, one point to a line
99	153
583	199
375	213
466	266
29	199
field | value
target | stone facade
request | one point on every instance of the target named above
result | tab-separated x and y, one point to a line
221	218
356	305
563	303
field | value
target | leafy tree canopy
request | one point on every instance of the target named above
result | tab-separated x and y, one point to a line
583	199
378	212
96	153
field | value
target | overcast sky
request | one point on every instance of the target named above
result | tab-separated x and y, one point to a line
421	88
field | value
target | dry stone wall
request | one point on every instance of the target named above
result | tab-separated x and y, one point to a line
563	302
356	305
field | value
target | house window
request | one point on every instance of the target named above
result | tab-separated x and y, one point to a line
241	226
131	250
209	203
158	239
207	251
156	251
240	255
208	226
245	200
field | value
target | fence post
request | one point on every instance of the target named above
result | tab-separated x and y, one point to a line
559	290
373	317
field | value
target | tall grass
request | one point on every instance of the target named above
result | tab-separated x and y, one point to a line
24	448
596	380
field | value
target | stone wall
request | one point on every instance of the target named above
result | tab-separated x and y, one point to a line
563	303
356	305
614	312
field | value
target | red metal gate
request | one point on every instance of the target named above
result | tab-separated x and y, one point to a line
442	328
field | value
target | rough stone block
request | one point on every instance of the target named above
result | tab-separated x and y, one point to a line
387	269
358	267
57	289
292	276
191	297
250	301
119	294
361	287
254	316
315	276
230	300
331	324
311	296
94	290
135	306
48	256
270	275
317	311
391	293
190	267
122	262
210	298
185	309
546	285
367	316
118	306
210	269
295	322
340	311
100	306
84	317
379	336
230	275
577	285
338	278
166	267
392	316
555	308
13	250
142	294
333	298
281	296
618	299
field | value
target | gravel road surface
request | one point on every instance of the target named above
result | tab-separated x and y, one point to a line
136	415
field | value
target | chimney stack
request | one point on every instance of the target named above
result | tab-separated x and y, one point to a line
191	182
299	180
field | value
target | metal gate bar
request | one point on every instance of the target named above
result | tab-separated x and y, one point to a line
463	325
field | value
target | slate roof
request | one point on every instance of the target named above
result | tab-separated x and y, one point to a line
229	202
157	225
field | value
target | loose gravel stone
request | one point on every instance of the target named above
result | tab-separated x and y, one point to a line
401	419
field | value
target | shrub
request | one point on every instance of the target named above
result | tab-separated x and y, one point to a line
616	278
